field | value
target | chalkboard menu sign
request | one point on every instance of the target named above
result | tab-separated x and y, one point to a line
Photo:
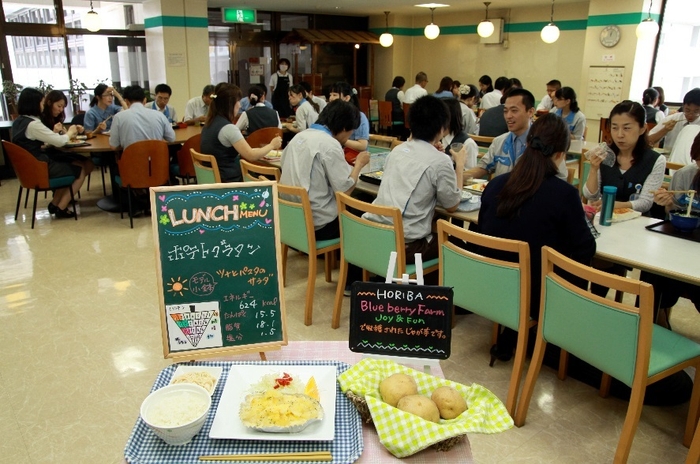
401	320
218	267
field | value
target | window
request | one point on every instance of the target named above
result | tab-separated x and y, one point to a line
30	11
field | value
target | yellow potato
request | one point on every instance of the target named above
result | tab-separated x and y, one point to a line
395	387
449	401
421	406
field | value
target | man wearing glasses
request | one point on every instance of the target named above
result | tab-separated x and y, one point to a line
99	117
672	125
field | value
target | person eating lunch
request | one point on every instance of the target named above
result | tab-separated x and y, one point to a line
102	108
671	126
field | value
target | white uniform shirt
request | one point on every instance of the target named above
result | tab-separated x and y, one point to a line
195	108
670	138
273	80
414	93
320	102
36	130
681	149
545	104
468	119
491	99
305	116
242	122
139	123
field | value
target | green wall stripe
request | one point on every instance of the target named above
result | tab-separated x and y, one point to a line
564	25
175	21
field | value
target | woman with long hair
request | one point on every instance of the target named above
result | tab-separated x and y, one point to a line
258	116
457	134
637	168
445	88
359	139
31	134
485	85
221	137
99	117
661	102
566	107
650	97
468	94
306	111
532	204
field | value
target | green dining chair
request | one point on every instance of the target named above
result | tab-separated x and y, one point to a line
368	245
488	277
205	167
617	338
251	172
297	231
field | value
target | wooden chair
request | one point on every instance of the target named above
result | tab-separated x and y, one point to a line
670	169
368	244
395	143
251	172
142	165
482	140
604	131
386	122
184	169
489	277
382	140
694	452
617	338
570	174
34	174
297	231
206	168
406	108
364	106
262	137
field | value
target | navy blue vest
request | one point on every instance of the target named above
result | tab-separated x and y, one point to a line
226	157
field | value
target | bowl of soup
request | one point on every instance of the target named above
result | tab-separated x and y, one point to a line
684	222
177	412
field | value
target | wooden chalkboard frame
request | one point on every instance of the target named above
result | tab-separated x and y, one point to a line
364	337
221	350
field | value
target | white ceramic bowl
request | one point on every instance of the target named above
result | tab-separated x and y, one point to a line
182	433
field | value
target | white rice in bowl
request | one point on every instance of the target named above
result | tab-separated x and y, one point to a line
177	409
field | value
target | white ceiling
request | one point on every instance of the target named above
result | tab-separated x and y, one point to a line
373	7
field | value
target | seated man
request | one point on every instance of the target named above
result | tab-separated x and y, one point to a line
314	159
671	126
547	102
138	123
418	176
492	123
163	93
197	108
418	89
506	149
493	98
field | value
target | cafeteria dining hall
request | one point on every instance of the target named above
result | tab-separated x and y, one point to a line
488	345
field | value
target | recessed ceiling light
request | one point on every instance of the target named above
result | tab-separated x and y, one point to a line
432	5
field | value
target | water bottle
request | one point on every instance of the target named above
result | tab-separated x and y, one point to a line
606	212
637	193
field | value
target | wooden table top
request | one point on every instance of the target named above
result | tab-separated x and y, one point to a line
100	143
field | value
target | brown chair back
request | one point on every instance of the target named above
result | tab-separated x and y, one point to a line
145	164
262	137
364	106
406	108
385	120
32	173
184	159
604	133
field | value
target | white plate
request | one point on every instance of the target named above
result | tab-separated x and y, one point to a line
211	370
478	187
227	424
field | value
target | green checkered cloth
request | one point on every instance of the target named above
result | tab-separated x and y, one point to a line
404	434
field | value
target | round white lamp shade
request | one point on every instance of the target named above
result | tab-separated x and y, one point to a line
92	21
647	29
432	31
386	39
550	33
485	28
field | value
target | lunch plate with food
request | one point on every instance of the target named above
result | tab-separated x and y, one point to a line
76	143
206	377
273	155
624	214
477	187
278	403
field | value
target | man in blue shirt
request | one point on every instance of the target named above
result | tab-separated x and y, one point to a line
139	123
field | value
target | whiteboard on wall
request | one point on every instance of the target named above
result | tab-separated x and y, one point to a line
604	90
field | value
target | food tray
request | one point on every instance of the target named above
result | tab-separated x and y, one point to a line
665	227
79	143
144	447
374	177
477	188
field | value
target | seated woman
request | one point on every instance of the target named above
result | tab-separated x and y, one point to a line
566	107
30	133
650	97
666	290
532	204
306	111
359	139
445	88
99	117
258	116
467	98
221	137
418	177
52	116
314	160
636	164
457	134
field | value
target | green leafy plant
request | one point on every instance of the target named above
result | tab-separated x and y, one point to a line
76	91
45	87
11	92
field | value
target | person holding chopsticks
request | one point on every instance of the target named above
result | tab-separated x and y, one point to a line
99	117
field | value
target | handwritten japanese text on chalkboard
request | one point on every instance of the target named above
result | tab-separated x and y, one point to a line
219	267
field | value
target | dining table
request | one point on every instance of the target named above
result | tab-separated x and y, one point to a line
372	451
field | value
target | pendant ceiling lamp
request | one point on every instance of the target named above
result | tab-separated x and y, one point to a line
432	30
92	20
485	27
550	33
648	28
386	39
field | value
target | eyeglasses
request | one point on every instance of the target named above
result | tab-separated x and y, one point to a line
690	112
107	95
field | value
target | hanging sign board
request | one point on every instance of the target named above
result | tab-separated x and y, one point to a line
401	320
218	266
238	15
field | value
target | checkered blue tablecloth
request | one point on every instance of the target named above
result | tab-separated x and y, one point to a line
144	447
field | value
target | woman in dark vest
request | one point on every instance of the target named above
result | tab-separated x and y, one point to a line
258	116
637	167
280	82
395	96
30	133
221	138
650	97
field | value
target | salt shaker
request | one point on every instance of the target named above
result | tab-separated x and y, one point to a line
606	211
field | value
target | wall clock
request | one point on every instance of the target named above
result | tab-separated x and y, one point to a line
610	36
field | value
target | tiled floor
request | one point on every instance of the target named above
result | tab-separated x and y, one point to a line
81	347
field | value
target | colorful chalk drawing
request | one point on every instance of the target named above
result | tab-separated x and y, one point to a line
199	323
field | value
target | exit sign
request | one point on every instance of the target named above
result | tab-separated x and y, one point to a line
237	15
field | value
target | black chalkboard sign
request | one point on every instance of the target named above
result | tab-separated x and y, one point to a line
218	266
401	320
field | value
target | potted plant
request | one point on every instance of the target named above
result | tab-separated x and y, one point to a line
76	91
45	87
11	92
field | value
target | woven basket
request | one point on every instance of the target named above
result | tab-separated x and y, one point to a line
363	409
